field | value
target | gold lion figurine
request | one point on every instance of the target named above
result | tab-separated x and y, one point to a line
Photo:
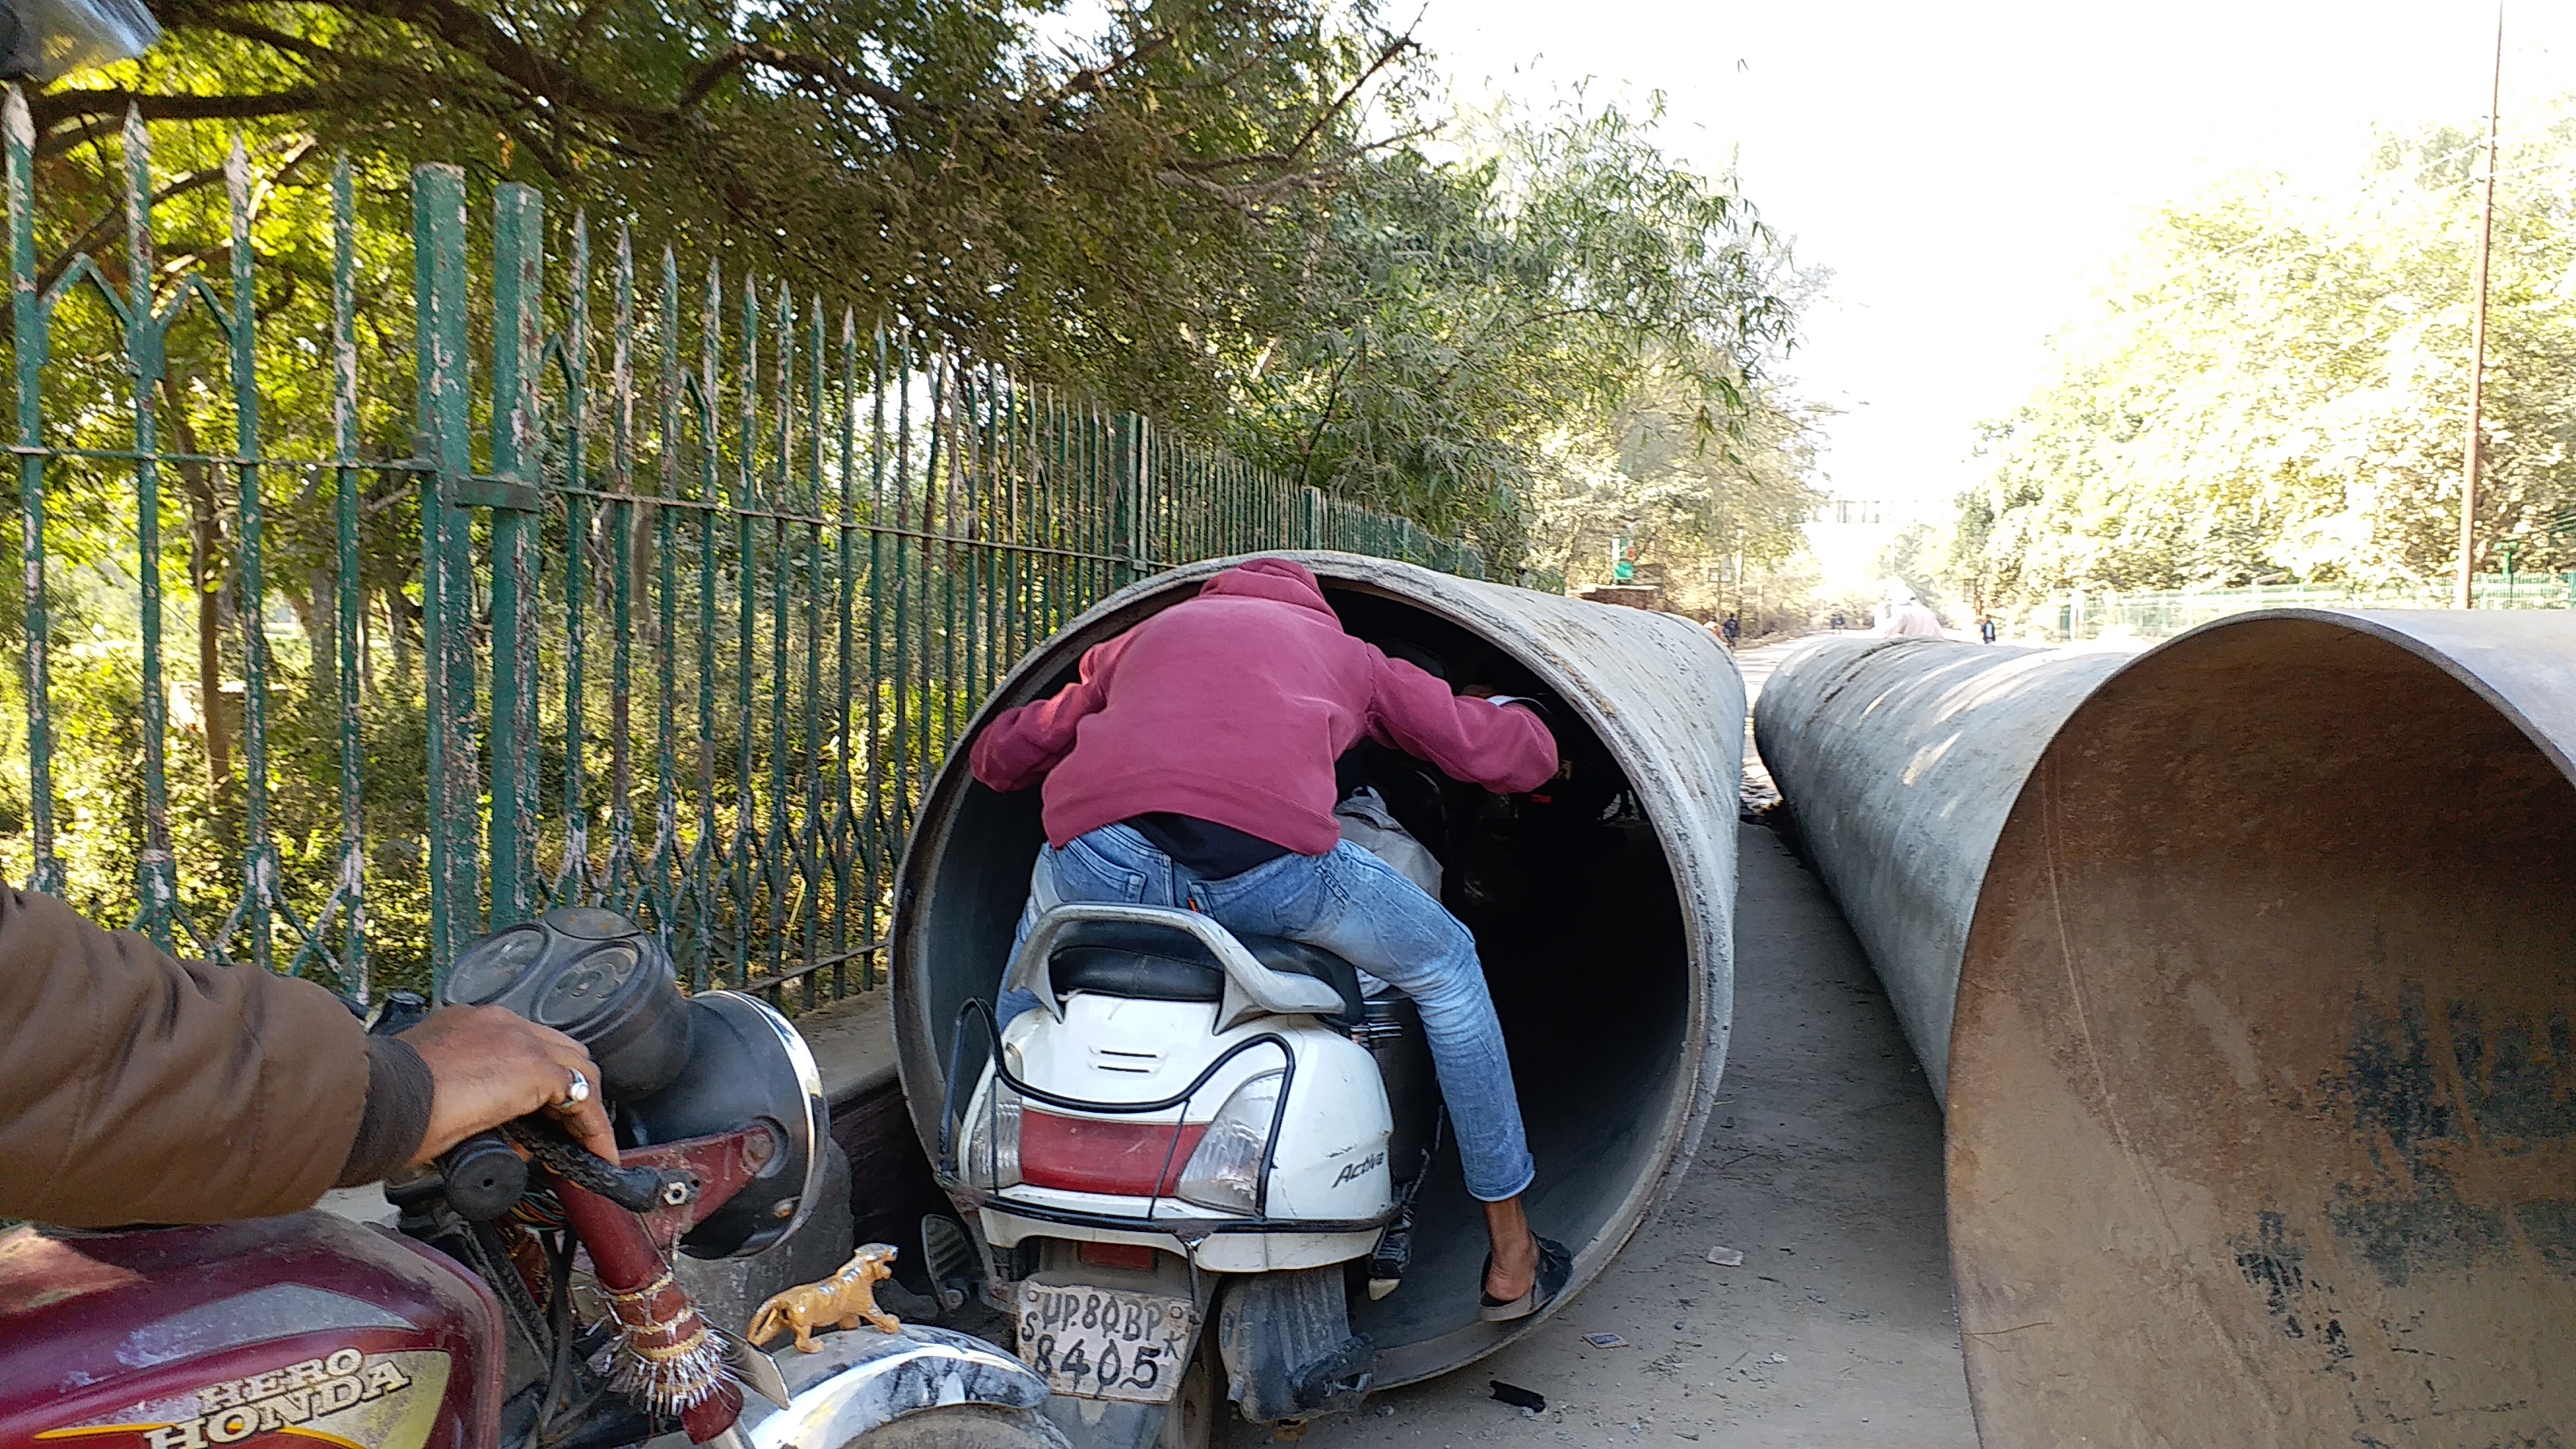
842	1300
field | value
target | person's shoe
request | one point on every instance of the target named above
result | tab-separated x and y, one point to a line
1555	1266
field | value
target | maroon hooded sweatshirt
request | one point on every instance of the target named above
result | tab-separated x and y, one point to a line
1232	707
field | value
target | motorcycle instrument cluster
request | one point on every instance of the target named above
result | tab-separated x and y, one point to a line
598	978
671	1067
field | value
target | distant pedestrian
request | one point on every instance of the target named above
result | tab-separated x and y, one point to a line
1841	622
1986	629
1733	631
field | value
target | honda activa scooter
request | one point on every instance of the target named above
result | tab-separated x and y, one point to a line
1183	1163
528	1301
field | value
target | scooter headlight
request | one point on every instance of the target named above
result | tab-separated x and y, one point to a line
1225	1171
990	1158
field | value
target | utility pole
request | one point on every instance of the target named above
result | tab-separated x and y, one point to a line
2462	597
1739	572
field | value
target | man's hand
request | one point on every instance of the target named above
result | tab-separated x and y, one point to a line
489	1066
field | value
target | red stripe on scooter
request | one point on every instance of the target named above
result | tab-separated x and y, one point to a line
1084	1154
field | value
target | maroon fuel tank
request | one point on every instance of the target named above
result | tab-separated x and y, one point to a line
271	1334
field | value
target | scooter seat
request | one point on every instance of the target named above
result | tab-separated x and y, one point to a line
1156	963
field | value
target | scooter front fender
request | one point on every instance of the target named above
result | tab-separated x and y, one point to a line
859	1379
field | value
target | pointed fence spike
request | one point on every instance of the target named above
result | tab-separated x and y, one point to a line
237	192
22	123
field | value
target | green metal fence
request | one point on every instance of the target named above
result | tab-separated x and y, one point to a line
675	594
2163	613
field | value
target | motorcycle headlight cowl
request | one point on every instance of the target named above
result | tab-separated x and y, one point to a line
1225	1172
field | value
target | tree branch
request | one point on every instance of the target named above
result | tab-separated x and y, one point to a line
771	57
1087	81
1394	48
53	108
113	217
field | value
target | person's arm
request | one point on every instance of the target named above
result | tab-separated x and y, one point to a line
1505	748
135	1088
1017	749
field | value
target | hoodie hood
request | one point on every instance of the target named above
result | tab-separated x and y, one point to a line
1282	581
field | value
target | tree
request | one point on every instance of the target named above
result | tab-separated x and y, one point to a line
1683	492
1469	325
2276	383
1087	212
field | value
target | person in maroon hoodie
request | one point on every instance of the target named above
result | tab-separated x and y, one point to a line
1191	765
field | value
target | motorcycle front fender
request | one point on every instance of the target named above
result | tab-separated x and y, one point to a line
859	1379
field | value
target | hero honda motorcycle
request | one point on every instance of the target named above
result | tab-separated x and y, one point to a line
1182	1164
475	1327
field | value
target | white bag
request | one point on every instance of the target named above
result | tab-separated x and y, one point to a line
1367	823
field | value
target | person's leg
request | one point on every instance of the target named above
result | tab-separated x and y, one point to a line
1358	907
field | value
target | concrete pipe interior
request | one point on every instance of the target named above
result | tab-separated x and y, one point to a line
1575	911
2262	1099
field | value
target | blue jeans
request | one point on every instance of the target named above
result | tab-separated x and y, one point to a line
1354	905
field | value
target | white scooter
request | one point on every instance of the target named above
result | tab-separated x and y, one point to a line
1185	1160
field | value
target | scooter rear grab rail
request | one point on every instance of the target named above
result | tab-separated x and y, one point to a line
1250	987
950	1116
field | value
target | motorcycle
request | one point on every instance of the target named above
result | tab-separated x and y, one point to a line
528	1300
1183	1164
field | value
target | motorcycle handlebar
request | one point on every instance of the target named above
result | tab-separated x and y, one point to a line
484	1176
636	1189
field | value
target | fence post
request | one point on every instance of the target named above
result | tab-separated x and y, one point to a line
518	262
259	876
30	326
352	592
447	576
157	882
1128	477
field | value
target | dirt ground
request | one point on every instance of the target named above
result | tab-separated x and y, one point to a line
1823	1167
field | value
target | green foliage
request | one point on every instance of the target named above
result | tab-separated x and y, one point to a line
1081	212
1560	289
2276	388
1187	214
1193	214
1685	493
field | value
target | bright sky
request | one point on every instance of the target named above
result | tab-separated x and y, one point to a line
1966	169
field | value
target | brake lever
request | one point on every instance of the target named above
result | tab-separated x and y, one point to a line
636	1189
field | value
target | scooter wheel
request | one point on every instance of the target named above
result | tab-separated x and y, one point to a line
963	1426
1191	1422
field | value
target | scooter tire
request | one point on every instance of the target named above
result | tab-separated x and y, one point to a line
1200	1407
963	1426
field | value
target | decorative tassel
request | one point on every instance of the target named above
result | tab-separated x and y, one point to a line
663	1353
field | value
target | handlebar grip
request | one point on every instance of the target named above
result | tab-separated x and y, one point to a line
485	1178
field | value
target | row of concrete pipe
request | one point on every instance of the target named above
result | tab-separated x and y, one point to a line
2245	969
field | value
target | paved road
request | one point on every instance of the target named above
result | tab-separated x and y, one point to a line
1824	1169
1756	665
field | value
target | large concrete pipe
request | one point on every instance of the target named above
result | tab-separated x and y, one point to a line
2262	1082
1603	908
1898	759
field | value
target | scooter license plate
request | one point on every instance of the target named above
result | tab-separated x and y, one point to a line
1105	1343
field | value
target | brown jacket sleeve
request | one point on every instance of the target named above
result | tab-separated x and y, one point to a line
139	1089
